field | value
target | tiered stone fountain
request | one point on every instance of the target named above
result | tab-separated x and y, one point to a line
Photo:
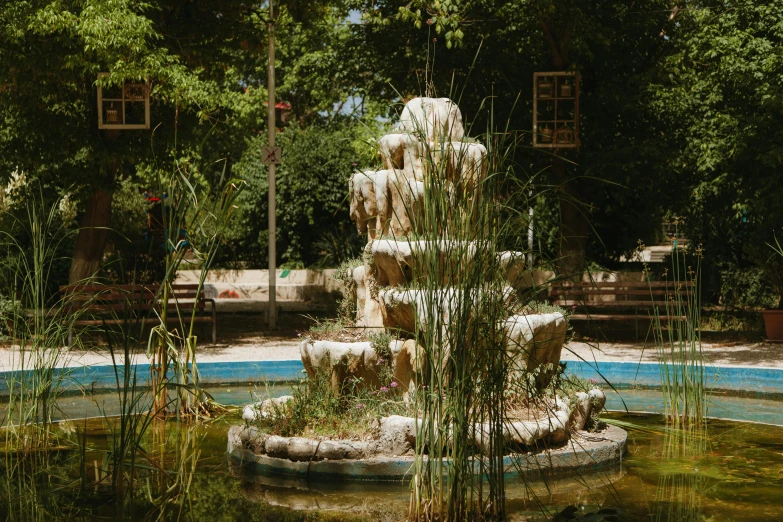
387	206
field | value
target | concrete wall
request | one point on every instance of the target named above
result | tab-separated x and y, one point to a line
248	290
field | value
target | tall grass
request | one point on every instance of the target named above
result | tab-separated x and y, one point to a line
127	429
459	471
676	330
41	321
32	240
195	221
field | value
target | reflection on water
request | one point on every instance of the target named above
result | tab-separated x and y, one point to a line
731	471
85	405
681	485
719	404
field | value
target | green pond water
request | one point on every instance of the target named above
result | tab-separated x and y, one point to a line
734	471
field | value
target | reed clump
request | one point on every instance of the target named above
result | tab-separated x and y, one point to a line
676	333
39	320
195	221
459	473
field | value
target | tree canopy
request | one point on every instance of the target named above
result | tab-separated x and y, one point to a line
680	105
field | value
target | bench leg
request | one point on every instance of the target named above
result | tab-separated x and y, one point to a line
70	338
214	325
636	313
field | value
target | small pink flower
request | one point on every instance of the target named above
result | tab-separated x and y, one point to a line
593	381
393	384
359	406
384	389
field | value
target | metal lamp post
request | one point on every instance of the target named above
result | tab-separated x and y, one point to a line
271	157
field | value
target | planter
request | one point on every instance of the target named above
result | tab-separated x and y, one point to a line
773	321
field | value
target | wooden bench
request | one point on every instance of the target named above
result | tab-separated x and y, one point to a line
617	300
123	304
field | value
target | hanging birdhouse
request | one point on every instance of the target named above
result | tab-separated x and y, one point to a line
546	135
124	108
545	88
556	110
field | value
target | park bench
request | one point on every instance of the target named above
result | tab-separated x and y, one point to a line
617	300
125	304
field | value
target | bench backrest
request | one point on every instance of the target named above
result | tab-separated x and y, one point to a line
137	298
595	292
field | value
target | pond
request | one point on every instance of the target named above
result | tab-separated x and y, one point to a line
733	471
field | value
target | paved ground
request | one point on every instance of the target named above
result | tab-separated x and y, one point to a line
240	338
733	353
243	338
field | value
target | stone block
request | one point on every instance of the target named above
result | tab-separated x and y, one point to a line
432	119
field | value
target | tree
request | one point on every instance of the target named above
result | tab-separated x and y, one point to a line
312	182
50	59
206	62
718	97
615	46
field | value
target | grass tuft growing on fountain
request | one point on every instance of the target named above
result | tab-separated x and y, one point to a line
315	411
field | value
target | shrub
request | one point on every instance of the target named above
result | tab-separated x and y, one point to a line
746	288
312	198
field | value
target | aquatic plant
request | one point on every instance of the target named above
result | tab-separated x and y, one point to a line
676	332
194	220
459	472
40	320
315	410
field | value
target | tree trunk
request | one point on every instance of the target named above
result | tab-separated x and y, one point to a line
91	241
574	224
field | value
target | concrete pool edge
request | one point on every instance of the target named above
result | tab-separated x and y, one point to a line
599	452
739	379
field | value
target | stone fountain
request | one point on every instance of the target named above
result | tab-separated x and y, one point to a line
387	205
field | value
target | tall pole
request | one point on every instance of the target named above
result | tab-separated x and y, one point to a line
530	232
272	207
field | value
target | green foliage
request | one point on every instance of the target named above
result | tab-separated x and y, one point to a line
133	255
718	98
312	188
317	411
346	310
338	244
9	309
380	342
207	66
746	287
539	307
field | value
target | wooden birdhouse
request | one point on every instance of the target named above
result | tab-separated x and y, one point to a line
556	110
124	108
